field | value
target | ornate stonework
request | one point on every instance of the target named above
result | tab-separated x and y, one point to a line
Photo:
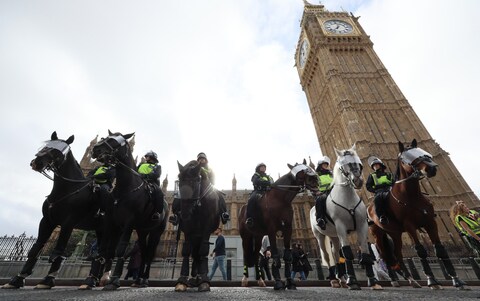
353	99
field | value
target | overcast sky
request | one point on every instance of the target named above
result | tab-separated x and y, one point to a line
212	76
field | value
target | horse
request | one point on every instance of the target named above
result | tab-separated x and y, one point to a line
199	217
275	213
410	210
131	210
71	204
347	213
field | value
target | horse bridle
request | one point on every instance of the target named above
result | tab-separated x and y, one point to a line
299	188
416	174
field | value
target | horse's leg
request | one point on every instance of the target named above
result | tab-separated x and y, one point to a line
259	275
366	258
57	257
204	285
442	254
147	250
332	253
399	266
276	264
287	257
45	229
118	247
348	255
99	264
182	281
247	245
422	253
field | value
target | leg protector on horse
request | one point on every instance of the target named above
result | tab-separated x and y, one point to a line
340	270
348	254
276	265
421	251
57	263
331	273
367	260
27	269
443	255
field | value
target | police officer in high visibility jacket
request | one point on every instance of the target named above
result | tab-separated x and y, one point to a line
325	179
261	183
466	220
379	182
151	171
103	177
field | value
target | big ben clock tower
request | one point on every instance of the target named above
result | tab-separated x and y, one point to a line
353	99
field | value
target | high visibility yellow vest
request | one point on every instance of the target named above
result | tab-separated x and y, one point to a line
146	168
385	179
99	171
324	182
472	224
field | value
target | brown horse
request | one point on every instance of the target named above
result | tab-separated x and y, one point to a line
275	213
410	210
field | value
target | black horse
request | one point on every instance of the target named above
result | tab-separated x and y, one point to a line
71	204
199	217
131	210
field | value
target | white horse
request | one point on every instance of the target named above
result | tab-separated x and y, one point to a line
346	213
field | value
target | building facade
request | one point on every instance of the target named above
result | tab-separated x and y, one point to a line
353	99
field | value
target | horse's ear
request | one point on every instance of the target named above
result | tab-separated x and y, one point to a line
128	136
414	143
338	152
354	147
110	133
54	136
290	166
304	161
401	148
70	139
180	166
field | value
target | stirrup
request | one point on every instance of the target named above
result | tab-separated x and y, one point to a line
249	222
383	220
321	223
156	216
225	217
173	219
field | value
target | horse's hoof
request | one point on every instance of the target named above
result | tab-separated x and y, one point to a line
15	282
244	281
463	288
105	279
47	283
395	283
9	286
279	285
42	287
335	283
376	287
343	284
436	287
181	287
261	283
204	287
354	287
415	284
84	287
110	287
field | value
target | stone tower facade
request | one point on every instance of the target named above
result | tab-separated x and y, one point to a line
353	99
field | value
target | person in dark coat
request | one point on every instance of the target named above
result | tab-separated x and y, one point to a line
297	264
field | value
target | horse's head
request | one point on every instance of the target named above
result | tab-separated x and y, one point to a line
305	176
52	154
115	145
189	186
349	167
415	161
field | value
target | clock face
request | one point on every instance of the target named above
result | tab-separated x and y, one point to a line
302	56
338	26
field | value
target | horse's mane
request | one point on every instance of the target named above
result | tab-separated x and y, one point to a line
337	174
285	179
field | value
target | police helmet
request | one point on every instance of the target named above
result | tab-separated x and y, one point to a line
201	155
324	159
152	155
374	160
257	168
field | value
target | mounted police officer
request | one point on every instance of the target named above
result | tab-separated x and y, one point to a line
151	171
206	173
379	182
325	179
261	183
103	177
